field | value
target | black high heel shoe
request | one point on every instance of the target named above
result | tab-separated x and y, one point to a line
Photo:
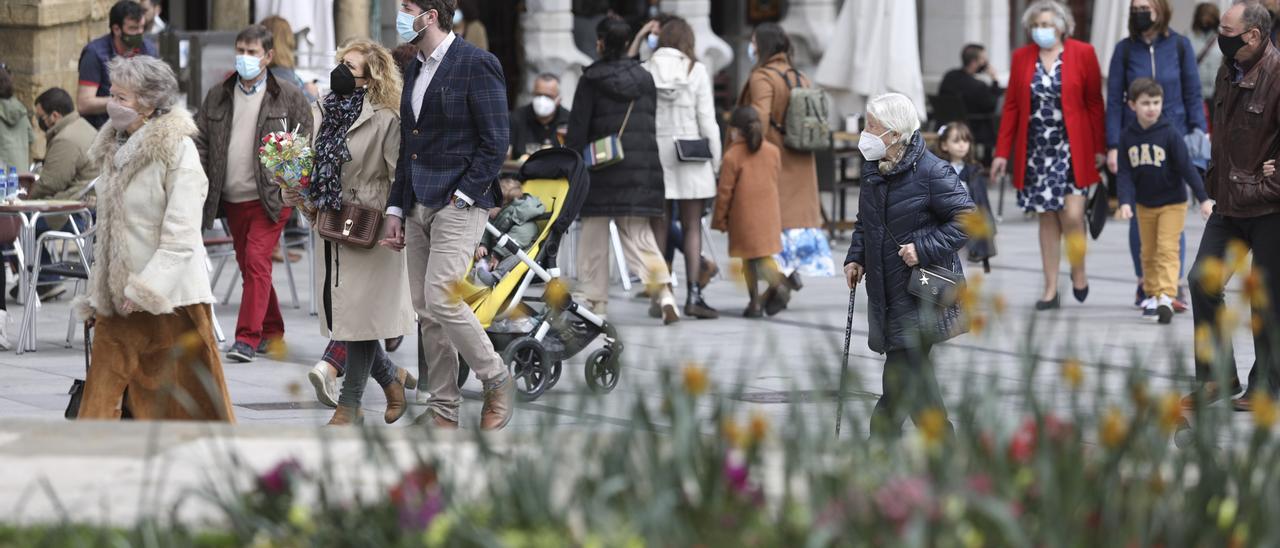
1051	304
1081	294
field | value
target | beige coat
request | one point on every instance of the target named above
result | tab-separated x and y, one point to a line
686	110
149	248
798	187
369	288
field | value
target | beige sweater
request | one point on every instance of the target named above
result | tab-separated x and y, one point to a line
242	153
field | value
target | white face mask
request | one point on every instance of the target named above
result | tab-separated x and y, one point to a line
121	116
872	147
544	106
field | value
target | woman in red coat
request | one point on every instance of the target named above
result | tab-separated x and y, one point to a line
1053	131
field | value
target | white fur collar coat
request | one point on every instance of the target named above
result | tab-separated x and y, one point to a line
149	247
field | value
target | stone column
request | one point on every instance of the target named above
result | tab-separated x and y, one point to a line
40	41
810	23
711	49
231	15
549	46
352	20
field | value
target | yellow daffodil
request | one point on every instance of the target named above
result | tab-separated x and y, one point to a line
933	426
695	379
1170	413
1238	256
556	294
1212	275
999	304
975	225
1204	344
733	433
1077	246
1114	429
1255	290
1073	373
1264	410
277	349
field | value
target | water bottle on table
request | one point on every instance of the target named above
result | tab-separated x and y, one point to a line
11	184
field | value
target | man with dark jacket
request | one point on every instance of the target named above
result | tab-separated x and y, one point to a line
539	124
980	98
234	118
454	136
1247	121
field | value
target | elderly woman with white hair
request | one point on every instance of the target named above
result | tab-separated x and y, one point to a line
1054	133
909	218
149	294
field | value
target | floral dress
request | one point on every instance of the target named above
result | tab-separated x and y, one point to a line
1049	177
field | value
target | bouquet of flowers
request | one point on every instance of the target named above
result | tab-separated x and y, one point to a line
288	157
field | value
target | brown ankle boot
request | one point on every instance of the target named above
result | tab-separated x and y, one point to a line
346	416
396	405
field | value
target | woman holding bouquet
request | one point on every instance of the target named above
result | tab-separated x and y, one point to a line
149	292
365	292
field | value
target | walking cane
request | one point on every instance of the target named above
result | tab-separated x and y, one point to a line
844	366
1000	206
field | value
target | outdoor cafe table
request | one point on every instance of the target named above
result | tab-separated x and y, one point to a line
29	213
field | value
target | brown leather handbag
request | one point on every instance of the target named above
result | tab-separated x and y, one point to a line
355	225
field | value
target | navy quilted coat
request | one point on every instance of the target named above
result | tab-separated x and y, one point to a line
918	201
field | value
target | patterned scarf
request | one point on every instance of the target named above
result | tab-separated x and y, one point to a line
331	149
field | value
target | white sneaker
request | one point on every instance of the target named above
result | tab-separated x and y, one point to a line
325	380
4	329
1164	310
1149	311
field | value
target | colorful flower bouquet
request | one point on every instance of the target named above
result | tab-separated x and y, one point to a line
288	157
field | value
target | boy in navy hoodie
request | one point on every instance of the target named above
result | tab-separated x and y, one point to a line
1154	165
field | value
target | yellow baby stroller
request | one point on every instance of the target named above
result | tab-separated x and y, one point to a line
535	334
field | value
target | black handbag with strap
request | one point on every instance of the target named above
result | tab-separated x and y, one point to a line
933	284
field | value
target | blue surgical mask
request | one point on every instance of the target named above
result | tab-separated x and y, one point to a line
248	66
653	42
1045	37
404	25
751	52
457	17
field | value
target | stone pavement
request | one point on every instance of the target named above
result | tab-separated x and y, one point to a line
777	365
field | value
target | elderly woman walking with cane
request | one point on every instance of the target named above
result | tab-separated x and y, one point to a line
908	227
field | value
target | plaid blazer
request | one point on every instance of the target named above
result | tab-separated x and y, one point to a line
459	141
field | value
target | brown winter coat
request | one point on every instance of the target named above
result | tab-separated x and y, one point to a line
798	186
747	201
284	108
368	288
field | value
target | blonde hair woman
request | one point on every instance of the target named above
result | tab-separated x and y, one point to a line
284	63
365	292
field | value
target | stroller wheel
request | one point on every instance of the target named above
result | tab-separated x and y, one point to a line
601	371
527	360
553	374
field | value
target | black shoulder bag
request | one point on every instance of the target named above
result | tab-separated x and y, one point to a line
934	284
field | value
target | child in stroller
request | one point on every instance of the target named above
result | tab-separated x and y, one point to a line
518	220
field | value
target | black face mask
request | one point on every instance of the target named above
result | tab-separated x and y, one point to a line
1231	45
44	125
342	81
1140	21
983	67
131	41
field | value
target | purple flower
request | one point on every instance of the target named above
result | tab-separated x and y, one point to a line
278	480
417	512
900	498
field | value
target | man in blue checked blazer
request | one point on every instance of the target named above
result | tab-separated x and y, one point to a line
454	133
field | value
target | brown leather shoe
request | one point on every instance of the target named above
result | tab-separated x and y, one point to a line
1207	394
1243	405
498	399
346	416
430	418
396	405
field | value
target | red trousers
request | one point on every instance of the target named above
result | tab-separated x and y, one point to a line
254	236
